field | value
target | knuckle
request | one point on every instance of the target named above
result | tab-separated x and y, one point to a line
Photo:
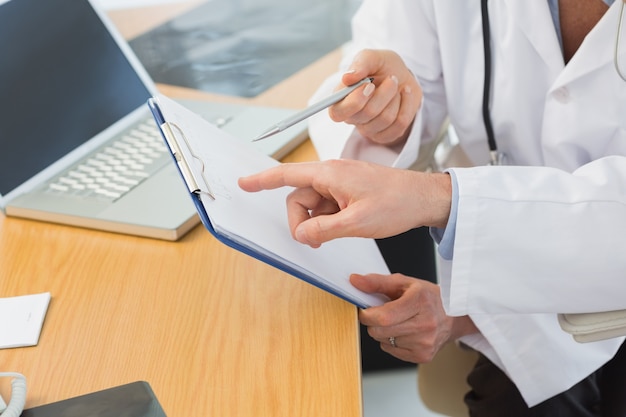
403	120
369	113
383	137
385	119
385	319
335	115
425	356
373	332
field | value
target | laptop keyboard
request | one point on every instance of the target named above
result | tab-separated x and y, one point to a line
117	168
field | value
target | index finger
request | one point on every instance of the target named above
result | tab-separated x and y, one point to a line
298	175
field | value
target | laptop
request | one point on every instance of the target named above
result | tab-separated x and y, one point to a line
78	145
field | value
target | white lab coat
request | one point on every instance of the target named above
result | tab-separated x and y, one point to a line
547	235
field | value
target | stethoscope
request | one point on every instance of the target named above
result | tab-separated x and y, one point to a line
496	157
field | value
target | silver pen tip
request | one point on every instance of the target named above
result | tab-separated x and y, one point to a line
266	134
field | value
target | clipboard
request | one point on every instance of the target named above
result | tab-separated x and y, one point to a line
210	162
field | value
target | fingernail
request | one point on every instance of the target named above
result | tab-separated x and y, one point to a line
301	236
369	89
394	79
407	89
350	71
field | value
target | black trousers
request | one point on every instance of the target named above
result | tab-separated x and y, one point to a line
602	394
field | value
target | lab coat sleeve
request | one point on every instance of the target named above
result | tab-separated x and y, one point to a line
539	240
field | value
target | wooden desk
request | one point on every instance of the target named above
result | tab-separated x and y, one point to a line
214	332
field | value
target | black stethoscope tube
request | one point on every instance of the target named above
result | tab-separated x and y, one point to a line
495	157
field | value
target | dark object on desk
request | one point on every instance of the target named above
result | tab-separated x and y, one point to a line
131	400
242	48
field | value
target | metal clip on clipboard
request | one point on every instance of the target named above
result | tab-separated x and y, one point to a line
186	171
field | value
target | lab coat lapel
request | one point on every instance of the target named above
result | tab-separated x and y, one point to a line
535	21
597	48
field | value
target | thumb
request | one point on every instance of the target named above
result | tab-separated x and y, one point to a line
393	286
323	228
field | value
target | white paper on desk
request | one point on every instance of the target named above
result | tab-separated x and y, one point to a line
21	319
258	221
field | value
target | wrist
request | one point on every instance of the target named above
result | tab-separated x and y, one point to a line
462	326
440	199
426	198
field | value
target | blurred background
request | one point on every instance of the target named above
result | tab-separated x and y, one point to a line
241	47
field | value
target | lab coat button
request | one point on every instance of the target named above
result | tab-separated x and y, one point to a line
561	95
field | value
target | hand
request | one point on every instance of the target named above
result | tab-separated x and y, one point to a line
348	198
414	317
382	112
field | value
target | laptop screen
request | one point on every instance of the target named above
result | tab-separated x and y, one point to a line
63	79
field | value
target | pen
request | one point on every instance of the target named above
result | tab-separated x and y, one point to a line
311	110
